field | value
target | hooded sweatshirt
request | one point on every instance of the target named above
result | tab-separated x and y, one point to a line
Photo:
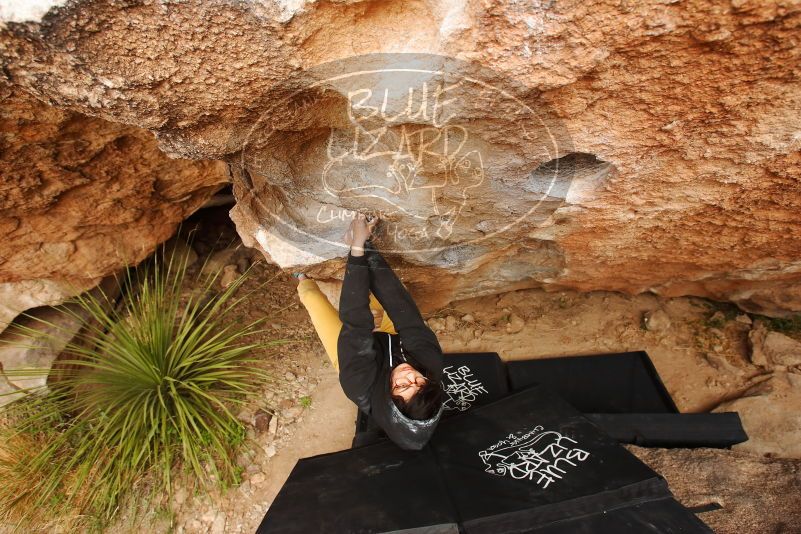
366	358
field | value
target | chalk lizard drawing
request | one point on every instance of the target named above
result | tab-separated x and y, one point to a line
538	455
427	160
461	388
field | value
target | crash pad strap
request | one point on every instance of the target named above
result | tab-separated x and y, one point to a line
445	528
673	429
653	489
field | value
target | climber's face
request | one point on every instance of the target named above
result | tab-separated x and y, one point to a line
406	381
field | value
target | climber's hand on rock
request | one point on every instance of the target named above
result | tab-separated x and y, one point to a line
360	230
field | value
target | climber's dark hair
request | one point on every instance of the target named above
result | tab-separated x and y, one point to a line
426	402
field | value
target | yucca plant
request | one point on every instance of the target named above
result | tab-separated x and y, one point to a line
148	387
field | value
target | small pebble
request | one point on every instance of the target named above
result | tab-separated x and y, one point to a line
718	317
230	274
515	324
245	416
262	420
292	413
656	321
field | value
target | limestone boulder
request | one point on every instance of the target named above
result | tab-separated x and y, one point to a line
82	197
25	360
36	339
770	349
16	297
628	146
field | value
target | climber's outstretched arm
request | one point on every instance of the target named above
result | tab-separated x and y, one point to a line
357	355
418	339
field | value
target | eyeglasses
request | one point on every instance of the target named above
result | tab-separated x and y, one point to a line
402	384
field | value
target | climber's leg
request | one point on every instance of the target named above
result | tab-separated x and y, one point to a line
324	317
386	322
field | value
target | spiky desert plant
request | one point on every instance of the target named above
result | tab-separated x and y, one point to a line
148	386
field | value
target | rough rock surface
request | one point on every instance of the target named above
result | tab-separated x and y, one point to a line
16	297
770	349
756	495
770	415
81	197
25	362
676	122
30	345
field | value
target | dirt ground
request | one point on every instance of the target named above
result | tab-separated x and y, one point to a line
700	351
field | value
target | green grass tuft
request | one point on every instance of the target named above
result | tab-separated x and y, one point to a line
149	390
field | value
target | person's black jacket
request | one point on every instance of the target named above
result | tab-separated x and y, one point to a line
364	355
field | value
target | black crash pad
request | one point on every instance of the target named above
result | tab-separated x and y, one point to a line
608	383
673	429
473	379
624	382
526	463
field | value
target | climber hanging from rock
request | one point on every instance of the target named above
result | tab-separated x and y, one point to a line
389	361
